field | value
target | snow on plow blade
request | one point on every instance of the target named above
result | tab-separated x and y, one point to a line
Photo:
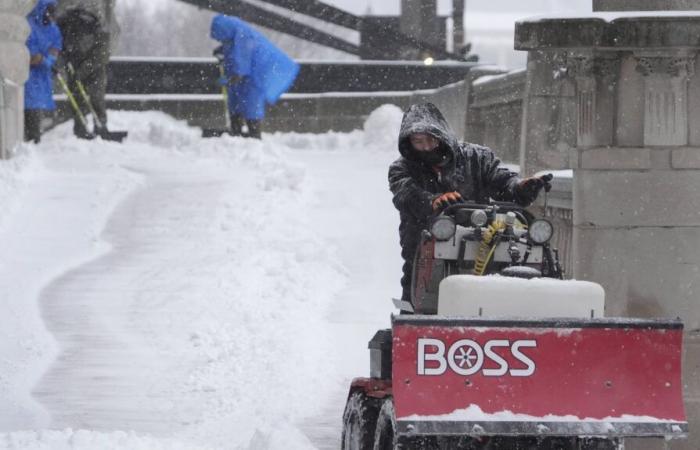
558	377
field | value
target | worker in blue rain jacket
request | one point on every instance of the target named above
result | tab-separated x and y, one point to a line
256	73
44	44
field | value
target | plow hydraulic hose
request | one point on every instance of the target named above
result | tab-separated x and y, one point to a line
487	247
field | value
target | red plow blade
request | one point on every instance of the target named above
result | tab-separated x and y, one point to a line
543	377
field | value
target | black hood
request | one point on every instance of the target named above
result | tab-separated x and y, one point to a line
425	118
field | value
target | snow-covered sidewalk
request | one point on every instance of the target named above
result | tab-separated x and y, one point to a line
175	292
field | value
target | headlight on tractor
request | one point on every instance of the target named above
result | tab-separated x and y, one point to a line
541	231
479	218
443	228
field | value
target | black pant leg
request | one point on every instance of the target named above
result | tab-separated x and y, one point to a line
32	125
237	125
254	128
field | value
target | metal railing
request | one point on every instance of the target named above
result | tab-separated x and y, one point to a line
144	75
559	211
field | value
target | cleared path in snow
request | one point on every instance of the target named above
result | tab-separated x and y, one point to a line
108	376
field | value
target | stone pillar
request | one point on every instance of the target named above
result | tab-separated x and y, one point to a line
458	25
419	20
636	189
14	70
548	131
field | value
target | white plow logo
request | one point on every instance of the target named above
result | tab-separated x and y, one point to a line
466	357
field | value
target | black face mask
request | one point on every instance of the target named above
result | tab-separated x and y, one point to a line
434	157
48	15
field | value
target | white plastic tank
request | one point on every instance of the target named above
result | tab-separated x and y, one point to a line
498	296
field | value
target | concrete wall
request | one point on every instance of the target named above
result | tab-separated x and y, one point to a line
528	117
14	70
495	112
303	113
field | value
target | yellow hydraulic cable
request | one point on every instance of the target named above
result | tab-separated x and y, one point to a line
486	249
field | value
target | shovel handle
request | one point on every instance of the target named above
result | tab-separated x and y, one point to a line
71	99
224	92
85	96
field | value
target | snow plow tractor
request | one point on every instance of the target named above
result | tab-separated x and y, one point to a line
496	350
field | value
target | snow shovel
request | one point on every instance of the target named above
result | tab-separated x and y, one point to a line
218	132
73	103
116	136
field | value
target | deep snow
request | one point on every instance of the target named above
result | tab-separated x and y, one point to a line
174	292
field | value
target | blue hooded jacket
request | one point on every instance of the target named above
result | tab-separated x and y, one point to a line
38	90
267	72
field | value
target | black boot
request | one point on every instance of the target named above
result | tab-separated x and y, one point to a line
80	131
237	125
254	129
32	125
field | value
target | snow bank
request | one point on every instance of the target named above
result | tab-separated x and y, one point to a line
379	134
15	174
226	285
476	414
382	127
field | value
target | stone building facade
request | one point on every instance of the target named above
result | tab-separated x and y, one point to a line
14	70
635	93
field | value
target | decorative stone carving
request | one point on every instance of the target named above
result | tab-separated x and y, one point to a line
591	66
683	66
665	97
596	77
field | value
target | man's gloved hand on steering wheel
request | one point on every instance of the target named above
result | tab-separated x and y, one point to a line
446	199
527	190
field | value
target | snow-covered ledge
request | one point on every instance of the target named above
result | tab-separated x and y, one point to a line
14	70
636	184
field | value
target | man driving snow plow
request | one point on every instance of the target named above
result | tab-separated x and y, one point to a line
436	170
520	359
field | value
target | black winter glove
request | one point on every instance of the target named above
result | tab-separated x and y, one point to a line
446	199
529	188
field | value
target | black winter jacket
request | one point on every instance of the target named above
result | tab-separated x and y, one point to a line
472	170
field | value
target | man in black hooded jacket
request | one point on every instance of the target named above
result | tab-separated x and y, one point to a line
86	48
435	170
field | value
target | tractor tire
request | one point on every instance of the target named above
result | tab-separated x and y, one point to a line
386	438
359	422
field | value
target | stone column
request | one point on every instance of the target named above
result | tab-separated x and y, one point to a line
548	131
419	20
14	70
636	188
458	25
